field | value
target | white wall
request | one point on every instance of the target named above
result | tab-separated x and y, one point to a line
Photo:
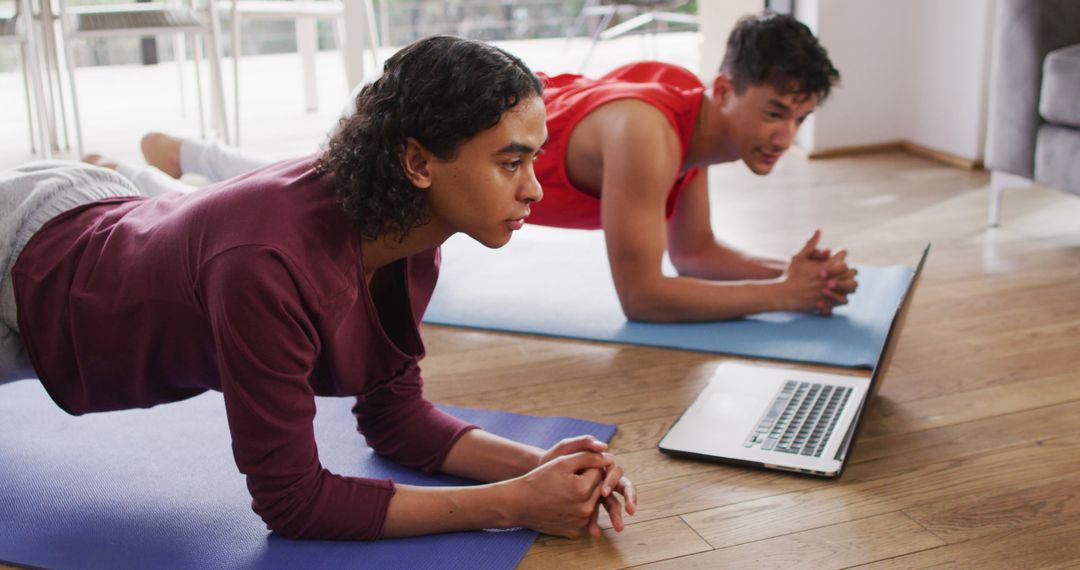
950	58
865	42
911	70
717	18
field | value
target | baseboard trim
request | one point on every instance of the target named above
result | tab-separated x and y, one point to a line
858	149
944	157
919	150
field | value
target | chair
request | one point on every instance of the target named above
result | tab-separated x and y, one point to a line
306	14
1033	133
648	11
127	20
18	30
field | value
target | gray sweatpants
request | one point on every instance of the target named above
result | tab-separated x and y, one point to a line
33	194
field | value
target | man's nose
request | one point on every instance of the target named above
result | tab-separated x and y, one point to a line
530	190
785	135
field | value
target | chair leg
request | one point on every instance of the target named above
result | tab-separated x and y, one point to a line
631	24
307	43
26	90
54	89
373	34
384	23
33	78
53	112
676	18
70	60
236	74
179	49
596	37
579	23
342	46
196	55
212	39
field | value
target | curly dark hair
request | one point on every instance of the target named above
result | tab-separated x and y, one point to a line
440	91
780	51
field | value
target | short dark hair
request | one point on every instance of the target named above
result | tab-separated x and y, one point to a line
780	51
440	91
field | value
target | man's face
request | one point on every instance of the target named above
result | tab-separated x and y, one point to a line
485	191
764	123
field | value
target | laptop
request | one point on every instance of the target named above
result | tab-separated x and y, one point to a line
784	418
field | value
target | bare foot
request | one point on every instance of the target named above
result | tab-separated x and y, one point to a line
98	160
162	151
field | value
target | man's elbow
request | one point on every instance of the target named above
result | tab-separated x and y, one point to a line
288	529
294	523
307	508
645	305
303	523
687	263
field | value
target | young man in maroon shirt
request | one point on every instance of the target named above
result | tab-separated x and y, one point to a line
306	278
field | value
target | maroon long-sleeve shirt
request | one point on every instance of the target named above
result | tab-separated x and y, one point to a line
254	287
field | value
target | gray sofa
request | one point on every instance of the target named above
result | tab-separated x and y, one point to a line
1033	132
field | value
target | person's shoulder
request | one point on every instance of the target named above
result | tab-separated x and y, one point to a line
639	135
661	72
633	118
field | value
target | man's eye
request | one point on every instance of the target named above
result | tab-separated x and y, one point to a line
773	115
512	165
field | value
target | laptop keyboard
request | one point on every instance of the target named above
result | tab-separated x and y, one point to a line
800	419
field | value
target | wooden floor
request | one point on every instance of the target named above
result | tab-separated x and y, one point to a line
971	453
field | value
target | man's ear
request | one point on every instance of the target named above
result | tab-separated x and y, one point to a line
415	161
722	88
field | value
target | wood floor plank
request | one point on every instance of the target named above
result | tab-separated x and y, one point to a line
962	369
1023	504
813	507
889	456
640	435
582	383
727	485
650	465
1041	546
642	406
836	546
637	544
892	418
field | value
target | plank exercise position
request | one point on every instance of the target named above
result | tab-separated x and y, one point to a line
304	278
628	154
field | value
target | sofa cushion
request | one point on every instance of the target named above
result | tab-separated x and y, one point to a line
1060	99
1056	153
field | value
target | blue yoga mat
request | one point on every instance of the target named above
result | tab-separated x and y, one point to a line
158	489
558	283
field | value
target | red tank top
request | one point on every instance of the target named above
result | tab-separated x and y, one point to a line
675	91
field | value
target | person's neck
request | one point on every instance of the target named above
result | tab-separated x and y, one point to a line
712	141
387	248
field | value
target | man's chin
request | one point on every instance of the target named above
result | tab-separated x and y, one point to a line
493	241
761	169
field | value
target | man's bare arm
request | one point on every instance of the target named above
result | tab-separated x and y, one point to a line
695	251
640	162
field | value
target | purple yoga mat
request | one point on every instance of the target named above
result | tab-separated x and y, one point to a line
158	489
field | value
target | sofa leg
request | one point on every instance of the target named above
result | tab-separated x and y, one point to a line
995	203
999	181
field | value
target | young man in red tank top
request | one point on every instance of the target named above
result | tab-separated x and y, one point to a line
628	153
